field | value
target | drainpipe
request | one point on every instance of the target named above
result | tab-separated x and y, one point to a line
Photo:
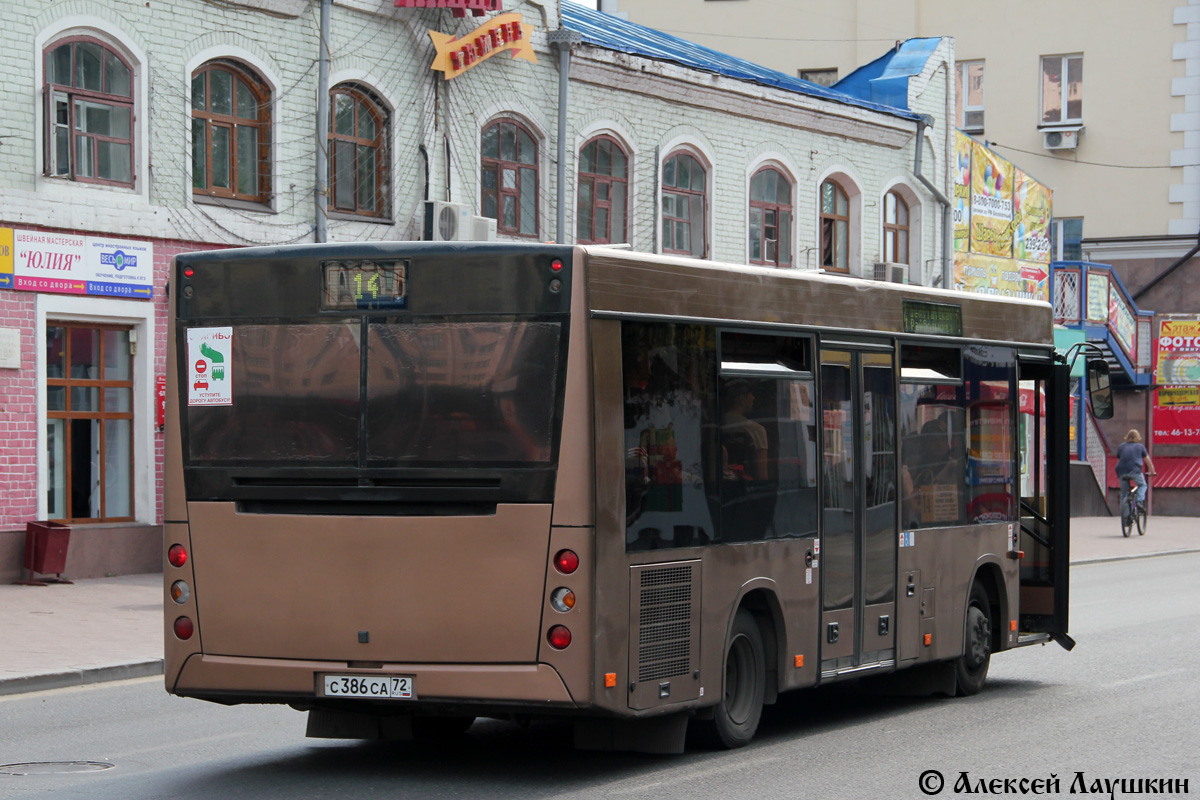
564	40
322	190
947	215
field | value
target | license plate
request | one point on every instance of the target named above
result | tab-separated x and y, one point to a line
380	687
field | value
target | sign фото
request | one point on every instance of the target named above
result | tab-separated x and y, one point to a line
1176	398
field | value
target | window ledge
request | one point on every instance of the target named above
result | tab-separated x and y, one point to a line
1062	127
342	216
225	202
78	185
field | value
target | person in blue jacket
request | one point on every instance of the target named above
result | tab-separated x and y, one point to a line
1133	463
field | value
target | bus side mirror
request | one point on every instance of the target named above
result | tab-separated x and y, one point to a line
1099	388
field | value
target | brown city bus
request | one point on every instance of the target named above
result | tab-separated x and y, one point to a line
411	484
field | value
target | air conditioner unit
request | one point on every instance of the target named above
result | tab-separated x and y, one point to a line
483	229
891	271
447	222
1061	140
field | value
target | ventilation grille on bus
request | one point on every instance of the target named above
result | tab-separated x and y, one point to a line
665	617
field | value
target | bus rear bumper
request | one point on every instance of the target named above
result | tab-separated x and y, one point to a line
233	679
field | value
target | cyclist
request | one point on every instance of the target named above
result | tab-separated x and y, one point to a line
1131	454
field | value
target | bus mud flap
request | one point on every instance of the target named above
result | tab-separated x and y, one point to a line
325	723
664	734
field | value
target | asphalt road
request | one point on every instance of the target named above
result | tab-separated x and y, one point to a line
1122	705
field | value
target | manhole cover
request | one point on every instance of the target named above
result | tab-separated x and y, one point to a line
53	767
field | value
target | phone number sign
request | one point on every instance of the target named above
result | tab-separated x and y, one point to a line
63	263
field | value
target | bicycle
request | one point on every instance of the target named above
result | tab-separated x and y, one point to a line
1131	512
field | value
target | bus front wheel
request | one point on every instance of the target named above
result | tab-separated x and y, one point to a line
970	670
735	718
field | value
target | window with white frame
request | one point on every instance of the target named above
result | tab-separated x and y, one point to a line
835	227
1062	90
895	228
968	95
509	177
770	218
89	112
231	132
603	192
89	422
684	212
358	156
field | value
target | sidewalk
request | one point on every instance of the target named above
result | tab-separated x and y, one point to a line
112	628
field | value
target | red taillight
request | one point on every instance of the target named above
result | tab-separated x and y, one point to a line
556	265
188	272
184	629
177	555
558	637
566	562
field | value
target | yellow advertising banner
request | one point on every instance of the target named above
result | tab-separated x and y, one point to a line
457	54
1004	277
1031	213
991	204
963	147
1179	396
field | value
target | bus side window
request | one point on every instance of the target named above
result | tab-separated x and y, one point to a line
932	436
669	397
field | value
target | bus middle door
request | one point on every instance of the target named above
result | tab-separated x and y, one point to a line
858	509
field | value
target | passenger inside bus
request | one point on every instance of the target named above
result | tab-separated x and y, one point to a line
744	441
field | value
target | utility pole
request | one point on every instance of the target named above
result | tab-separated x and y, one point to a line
322	190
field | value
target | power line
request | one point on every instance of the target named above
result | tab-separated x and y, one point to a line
1089	163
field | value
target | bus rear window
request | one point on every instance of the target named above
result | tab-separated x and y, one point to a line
455	392
294	397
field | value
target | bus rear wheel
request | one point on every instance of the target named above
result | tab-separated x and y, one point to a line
971	668
735	718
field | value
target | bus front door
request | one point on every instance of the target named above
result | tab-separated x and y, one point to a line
859	536
1046	431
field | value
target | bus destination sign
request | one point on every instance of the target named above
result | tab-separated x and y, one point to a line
939	319
364	285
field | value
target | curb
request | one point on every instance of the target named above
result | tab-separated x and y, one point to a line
1156	554
41	682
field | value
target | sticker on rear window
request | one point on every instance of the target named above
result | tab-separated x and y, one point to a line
209	368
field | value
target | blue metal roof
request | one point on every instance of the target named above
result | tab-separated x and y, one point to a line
885	80
614	33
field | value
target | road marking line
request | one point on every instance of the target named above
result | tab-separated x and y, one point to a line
1151	677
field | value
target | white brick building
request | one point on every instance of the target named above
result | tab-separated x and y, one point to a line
155	128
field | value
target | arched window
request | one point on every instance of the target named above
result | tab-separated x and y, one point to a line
510	177
683	205
231	133
770	218
603	192
358	157
835	227
895	228
90	112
